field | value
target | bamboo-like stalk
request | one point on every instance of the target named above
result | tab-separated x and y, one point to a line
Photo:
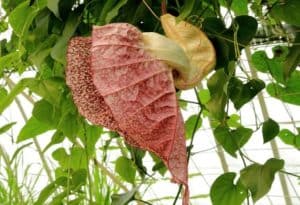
273	143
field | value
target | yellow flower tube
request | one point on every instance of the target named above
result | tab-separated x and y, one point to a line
196	45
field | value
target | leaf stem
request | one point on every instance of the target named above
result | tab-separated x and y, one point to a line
188	101
177	194
189	149
151	11
145	202
110	175
195	126
289	173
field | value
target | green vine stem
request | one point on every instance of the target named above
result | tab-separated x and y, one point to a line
151	11
109	174
189	148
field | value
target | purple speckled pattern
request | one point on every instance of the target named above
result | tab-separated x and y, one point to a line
78	77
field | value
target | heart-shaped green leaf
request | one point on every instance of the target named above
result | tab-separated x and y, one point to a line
270	130
240	93
126	169
225	192
232	140
259	178
290	138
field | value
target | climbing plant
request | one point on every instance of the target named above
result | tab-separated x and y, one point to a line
37	35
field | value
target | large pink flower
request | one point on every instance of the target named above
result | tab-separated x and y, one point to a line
118	84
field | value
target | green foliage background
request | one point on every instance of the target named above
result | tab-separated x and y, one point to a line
41	31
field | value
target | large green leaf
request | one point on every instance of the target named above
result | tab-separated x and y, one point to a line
110	10
289	92
90	134
22	16
247	26
58	52
126	169
224	192
274	65
69	124
33	128
3	93
49	89
232	140
10	60
215	28
204	96
259	178
233	121
78	157
290	138
240	93
45	112
261	61
287	11
106	8
20	86
76	160
190	125
270	130
239	7
53	6
186	10
238	35
3	26
113	12
78	178
217	102
61	156
42	50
